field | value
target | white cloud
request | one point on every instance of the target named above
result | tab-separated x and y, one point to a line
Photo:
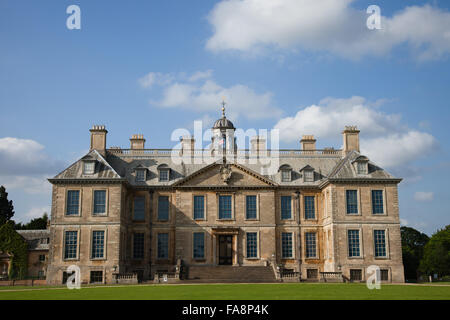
155	78
24	156
37	212
200	93
330	116
384	139
327	25
398	148
423	196
29	184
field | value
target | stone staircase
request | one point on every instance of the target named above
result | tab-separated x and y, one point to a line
228	274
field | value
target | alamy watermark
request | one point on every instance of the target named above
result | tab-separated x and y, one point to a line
374	277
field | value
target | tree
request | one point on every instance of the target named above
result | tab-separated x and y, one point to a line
436	255
35	224
6	207
16	246
413	243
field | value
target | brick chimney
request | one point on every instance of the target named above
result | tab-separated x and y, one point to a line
351	139
308	143
137	142
258	145
98	139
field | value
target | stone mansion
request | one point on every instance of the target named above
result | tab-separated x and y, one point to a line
322	214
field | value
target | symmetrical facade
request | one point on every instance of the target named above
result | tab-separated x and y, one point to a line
120	211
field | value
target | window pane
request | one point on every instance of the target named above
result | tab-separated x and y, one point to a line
96	277
285	175
377	202
379	243
252	245
309	175
140	175
98	244
139	209
352	202
163	246
310	211
73	202
361	166
286	245
163	175
70	245
138	246
99	201
163	208
225	207
310	244
89	167
199	245
286	212
199	207
353	243
251	212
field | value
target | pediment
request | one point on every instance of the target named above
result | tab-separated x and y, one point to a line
231	175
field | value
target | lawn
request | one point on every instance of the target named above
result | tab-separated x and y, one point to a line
294	291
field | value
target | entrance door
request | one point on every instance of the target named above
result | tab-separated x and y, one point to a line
225	250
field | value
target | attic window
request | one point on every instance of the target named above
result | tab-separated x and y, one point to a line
361	167
88	167
163	175
308	176
141	175
286	173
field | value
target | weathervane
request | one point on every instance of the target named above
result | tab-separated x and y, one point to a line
223	106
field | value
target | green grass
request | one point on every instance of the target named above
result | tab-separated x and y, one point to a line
294	291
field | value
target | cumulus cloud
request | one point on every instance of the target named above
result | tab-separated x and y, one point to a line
37	212
24	156
201	93
423	196
28	184
384	138
328	25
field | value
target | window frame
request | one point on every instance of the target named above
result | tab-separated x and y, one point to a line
383	198
158	217
133	243
105	213
386	244
165	170
358	211
292	245
256	218
291	204
204	246
157	246
316	254
194	207
257	257
286	175
134	208
144	177
104	245
67	199
305	176
77	249
314	205
231	203
89	162
360	246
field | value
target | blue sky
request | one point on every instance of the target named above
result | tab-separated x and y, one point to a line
153	66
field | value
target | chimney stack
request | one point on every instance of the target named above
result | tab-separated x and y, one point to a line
351	139
308	143
137	142
98	139
187	145
258	145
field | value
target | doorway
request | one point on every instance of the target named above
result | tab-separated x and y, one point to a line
226	250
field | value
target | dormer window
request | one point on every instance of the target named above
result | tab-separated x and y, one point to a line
88	167
164	173
141	175
308	173
361	165
308	176
286	173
